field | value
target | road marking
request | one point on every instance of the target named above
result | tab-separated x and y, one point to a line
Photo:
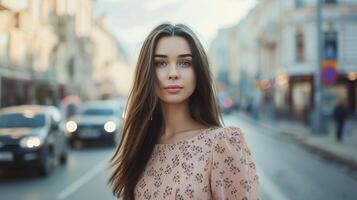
269	187
82	180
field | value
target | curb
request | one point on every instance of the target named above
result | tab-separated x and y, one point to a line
352	163
330	154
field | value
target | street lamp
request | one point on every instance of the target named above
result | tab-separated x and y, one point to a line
317	118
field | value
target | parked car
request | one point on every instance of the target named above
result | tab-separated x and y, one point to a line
98	121
32	136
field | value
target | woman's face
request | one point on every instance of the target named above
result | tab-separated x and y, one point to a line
174	70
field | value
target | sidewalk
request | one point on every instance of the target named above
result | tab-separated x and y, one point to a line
345	152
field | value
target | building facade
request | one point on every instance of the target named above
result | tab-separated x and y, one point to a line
47	51
299	55
112	75
277	51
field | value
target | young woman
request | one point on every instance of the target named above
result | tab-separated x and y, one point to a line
173	145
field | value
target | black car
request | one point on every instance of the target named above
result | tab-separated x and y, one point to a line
98	121
32	136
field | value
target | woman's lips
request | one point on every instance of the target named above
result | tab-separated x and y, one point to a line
173	89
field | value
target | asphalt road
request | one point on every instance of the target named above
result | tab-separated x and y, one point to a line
287	171
84	177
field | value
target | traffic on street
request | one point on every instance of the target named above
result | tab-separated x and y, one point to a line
77	76
287	171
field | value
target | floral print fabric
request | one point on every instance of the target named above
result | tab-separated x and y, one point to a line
216	164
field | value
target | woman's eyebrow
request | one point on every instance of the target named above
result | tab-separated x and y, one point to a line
185	55
165	56
160	56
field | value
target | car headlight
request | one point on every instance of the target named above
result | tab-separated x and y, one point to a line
71	126
110	126
31	142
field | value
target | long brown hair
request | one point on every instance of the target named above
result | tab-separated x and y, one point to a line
144	121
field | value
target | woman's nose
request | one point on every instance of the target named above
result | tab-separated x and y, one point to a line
173	71
173	76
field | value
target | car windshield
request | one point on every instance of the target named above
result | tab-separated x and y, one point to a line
98	111
20	120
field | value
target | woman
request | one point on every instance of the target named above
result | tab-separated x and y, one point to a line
173	145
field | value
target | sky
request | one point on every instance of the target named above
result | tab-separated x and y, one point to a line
132	20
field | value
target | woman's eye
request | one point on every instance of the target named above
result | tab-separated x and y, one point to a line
185	63
160	64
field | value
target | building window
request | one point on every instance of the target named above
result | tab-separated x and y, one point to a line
17	19
299	3
4	48
330	1
330	44
300	47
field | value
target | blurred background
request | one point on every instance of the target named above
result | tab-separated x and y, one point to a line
285	71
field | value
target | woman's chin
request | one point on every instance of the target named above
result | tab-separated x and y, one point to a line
174	100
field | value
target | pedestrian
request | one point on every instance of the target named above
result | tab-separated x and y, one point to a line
173	145
340	115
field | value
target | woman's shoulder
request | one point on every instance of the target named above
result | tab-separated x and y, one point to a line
211	135
230	133
226	132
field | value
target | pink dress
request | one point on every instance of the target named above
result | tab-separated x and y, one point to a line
216	164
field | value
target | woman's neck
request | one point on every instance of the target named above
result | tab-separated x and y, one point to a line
178	119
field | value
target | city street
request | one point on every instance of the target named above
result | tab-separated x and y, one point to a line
84	177
284	72
289	172
286	170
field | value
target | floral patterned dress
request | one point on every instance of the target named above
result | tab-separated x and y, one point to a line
216	164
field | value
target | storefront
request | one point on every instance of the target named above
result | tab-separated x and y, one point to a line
15	91
18	92
296	99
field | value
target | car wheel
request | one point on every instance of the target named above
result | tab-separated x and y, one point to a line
46	165
114	141
64	156
72	144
